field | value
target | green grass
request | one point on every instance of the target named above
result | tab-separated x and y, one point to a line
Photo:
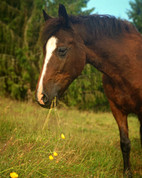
90	149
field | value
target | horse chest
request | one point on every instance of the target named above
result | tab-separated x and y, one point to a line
126	98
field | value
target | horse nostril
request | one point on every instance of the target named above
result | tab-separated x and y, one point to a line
45	98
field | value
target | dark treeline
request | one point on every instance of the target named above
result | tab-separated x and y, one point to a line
21	53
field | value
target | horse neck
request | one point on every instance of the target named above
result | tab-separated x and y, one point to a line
99	51
104	54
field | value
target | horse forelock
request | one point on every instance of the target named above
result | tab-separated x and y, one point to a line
51	26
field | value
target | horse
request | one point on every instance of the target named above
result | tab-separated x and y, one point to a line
111	45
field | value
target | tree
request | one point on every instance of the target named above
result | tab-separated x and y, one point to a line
18	68
136	13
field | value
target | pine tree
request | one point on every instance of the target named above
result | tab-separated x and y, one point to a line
17	61
136	13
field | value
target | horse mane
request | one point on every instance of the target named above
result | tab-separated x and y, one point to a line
96	26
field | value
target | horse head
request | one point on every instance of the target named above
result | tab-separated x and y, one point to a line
64	57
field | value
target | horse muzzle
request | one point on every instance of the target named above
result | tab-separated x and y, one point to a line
44	101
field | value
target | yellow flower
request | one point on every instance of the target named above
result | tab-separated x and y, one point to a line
51	157
55	154
13	175
62	136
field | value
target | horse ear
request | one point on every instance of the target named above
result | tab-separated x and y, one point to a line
63	14
46	17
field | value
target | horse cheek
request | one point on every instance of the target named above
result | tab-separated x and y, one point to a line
80	62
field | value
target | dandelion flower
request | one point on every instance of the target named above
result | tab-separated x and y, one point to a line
55	154
13	175
62	136
51	157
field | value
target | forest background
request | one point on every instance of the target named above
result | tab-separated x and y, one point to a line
21	52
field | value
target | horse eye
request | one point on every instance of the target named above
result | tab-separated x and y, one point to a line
61	51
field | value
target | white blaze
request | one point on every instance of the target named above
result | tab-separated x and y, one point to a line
50	47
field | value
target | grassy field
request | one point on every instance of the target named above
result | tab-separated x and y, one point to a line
90	148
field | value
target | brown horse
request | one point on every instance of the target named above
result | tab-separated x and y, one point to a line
111	45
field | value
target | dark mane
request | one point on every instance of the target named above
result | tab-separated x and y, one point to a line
103	25
96	26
